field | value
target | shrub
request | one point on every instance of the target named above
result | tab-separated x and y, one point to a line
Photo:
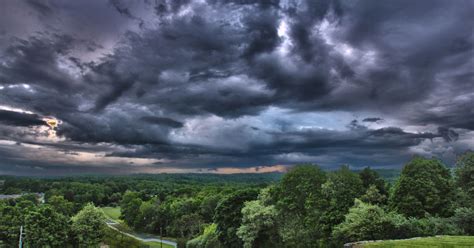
464	219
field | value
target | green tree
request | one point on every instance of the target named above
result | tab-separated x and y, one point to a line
61	205
259	223
371	177
208	239
339	193
88	226
44	227
364	222
10	222
228	217
465	177
464	219
373	196
130	208
424	187
299	205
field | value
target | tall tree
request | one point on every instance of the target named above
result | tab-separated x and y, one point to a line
371	177
45	227
88	226
298	205
228	217
424	187
339	193
130	208
465	177
259	223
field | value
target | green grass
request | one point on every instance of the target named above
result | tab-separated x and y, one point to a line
157	245
435	242
112	213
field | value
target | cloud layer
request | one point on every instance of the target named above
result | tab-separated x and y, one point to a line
145	86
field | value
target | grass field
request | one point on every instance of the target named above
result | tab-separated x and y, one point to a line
435	242
112	213
157	245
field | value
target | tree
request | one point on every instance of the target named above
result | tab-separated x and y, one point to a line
464	219
373	196
364	222
44	227
228	217
339	192
259	227
424	187
208	239
149	216
465	177
130	208
88	226
10	222
298	205
371	177
61	205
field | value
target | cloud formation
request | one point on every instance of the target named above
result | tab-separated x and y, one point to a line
210	84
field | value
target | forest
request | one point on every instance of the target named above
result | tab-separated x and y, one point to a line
305	207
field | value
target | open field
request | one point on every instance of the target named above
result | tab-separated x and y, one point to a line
434	242
112	213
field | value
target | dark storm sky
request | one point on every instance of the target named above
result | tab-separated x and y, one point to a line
232	86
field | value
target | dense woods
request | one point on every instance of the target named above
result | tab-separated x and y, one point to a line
306	207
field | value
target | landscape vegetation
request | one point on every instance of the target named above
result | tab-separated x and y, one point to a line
236	123
305	207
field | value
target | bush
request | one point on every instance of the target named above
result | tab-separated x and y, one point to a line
366	222
431	226
464	219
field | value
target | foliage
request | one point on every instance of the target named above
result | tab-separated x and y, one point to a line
339	192
44	227
298	205
464	219
465	177
424	187
61	205
370	177
10	222
130	207
228	217
373	196
259	227
306	208
365	222
89	226
208	239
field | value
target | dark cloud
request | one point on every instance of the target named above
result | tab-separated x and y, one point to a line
162	121
240	83
372	119
20	119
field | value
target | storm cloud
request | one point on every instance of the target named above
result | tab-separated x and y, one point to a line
192	85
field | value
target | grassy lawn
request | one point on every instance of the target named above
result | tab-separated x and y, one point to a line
157	245
112	213
436	242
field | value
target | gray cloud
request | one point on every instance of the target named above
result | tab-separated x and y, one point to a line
20	119
197	83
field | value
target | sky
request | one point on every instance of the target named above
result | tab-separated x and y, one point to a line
229	86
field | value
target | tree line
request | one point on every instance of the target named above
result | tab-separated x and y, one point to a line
305	207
